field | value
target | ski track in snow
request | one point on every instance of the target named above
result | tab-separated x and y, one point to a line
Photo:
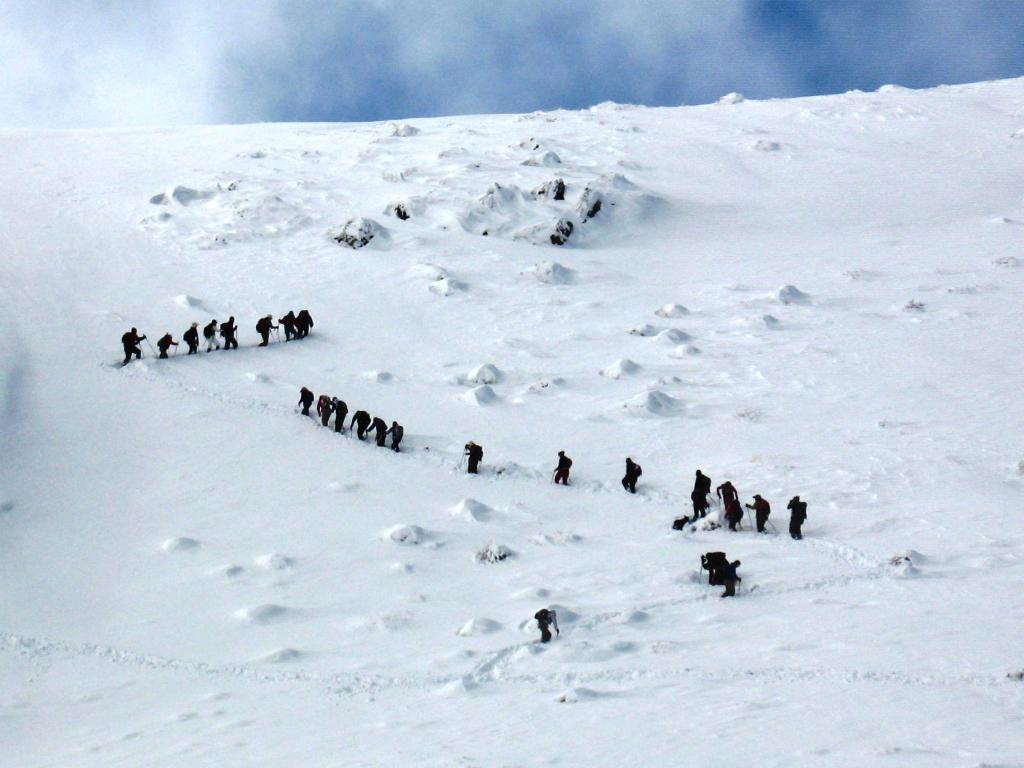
493	670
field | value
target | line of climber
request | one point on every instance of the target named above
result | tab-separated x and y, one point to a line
296	326
362	423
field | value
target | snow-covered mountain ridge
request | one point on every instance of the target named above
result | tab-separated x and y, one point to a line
817	296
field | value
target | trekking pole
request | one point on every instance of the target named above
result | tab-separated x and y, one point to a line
749	520
150	345
772	525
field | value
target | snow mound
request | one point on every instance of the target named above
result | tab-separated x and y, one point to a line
765	145
481	395
281	656
471	509
430	271
644	330
553	190
547	160
557	538
262	614
683	351
913	306
731	98
183	196
478	626
190	302
359	232
545	383
672	337
653	402
229	571
378	377
906	563
180	544
445	286
790	294
672	310
399	209
404	130
605	191
551	273
632	617
561	232
461	686
706	524
770	321
406	535
620	368
498	197
492	553
576	695
488	373
274	562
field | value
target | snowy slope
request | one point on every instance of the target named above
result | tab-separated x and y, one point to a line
194	574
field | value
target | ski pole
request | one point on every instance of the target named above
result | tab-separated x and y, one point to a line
150	345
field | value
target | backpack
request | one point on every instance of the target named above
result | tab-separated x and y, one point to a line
208	332
680	523
543	616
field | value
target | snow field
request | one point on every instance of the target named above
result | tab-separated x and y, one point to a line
194	573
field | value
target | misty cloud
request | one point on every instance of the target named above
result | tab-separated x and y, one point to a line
93	63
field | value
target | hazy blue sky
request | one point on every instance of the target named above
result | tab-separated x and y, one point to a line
114	62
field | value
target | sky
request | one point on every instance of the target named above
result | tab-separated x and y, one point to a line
97	63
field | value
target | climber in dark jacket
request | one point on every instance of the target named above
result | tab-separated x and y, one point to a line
699	497
303	322
340	412
379	426
288	323
191	337
166	342
730	577
474	454
761	511
227	332
305	400
562	470
633	472
130	341
797	516
324	409
546	618
263	327
397	432
360	423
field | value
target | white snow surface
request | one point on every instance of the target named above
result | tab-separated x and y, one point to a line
194	574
